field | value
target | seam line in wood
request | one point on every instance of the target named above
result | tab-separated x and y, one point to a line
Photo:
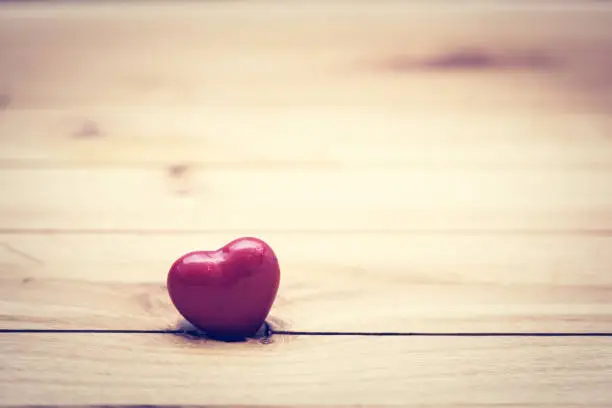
328	333
476	232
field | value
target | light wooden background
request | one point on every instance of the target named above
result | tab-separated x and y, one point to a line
418	167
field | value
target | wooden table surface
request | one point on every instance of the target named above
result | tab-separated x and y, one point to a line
436	179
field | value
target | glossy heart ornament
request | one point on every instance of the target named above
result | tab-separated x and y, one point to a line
226	293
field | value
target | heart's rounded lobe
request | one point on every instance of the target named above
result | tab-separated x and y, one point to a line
229	292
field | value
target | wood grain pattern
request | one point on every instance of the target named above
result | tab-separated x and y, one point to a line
373	282
328	138
298	200
166	369
395	83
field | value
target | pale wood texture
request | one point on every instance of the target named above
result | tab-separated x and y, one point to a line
167	369
525	58
461	120
418	167
329	137
315	200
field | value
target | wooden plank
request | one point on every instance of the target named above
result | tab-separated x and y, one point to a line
282	137
108	369
356	54
231	90
385	282
192	199
337	54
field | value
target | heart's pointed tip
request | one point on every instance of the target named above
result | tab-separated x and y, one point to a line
188	331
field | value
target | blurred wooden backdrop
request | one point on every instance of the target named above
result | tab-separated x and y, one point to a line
417	166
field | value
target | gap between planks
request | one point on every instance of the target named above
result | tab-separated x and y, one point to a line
474	232
311	333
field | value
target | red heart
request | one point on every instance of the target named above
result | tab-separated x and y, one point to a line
226	293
